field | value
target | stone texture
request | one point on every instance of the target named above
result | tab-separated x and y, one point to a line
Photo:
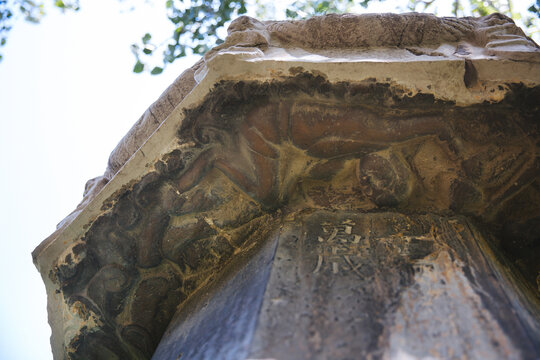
418	34
383	168
357	285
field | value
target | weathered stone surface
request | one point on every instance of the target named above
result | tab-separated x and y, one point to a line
220	324
385	285
347	285
408	152
494	36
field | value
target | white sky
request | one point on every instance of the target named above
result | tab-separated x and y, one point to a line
67	96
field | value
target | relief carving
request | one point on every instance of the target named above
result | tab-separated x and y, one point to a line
351	31
495	36
376	180
259	147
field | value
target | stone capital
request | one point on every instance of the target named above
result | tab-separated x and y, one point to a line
400	151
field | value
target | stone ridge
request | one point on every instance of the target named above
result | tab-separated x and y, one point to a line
350	31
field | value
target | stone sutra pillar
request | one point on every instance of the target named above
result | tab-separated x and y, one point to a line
343	187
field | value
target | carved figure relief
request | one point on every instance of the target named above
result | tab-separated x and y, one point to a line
256	148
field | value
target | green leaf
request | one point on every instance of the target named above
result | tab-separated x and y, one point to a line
139	67
323	7
146	38
169	58
242	9
60	4
175	20
177	33
3	42
291	14
198	49
157	70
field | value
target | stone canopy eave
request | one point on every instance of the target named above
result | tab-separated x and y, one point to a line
462	73
443	77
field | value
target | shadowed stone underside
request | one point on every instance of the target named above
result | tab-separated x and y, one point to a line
292	161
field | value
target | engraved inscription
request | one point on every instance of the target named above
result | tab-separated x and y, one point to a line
340	249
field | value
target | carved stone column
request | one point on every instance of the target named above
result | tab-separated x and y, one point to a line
343	187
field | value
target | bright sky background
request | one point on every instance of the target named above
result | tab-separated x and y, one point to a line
67	96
